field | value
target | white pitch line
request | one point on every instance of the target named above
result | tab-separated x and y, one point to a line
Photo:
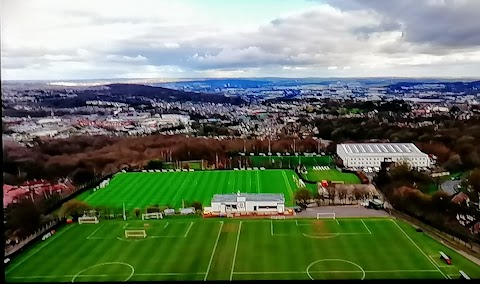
296	222
433	258
105	275
49	240
213	252
366	227
188	230
93	233
236	247
166	225
271	227
125	226
325	271
434	264
337	221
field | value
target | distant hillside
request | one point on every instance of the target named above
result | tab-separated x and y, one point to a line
455	87
168	94
131	94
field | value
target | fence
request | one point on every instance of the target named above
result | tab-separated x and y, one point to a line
473	248
17	246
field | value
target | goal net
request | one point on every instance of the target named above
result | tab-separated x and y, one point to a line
325	215
87	220
155	215
135	234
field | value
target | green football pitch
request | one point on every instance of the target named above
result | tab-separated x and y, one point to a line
331	175
237	249
143	189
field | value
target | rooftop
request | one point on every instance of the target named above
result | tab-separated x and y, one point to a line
249	197
381	148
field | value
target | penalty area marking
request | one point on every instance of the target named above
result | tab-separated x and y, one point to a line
213	251
333	259
326	236
188	230
106	263
236	248
93	233
366	227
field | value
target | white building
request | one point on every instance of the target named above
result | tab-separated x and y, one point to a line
362	155
247	202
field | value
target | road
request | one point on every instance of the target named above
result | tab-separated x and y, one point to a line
450	186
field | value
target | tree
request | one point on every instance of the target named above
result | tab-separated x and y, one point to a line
23	216
197	205
83	175
318	198
137	212
441	200
342	193
332	193
302	195
454	163
357	193
74	208
473	183
154	165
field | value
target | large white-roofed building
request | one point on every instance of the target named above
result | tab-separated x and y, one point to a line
247	203
360	155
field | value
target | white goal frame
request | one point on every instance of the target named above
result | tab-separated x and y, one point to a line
88	220
155	215
326	215
135	233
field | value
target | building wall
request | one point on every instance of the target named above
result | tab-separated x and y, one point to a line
248	206
375	161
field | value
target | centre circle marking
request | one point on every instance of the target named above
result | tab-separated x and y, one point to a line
106	263
340	260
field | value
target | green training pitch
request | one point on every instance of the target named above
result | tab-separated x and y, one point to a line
331	175
143	189
236	249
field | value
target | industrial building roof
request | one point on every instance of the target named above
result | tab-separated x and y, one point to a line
269	197
381	148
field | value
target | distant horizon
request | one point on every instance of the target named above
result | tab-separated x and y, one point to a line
246	78
57	40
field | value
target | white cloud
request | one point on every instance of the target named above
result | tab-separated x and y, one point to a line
148	38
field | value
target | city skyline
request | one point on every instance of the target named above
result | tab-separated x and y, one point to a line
54	40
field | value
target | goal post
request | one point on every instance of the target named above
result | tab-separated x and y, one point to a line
135	234
87	220
155	215
326	216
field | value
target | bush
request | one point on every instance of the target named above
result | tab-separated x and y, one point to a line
74	208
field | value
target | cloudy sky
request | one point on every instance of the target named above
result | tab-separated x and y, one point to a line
100	39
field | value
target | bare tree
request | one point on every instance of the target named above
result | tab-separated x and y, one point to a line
342	194
332	193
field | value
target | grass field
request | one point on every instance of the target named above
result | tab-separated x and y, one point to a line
142	189
331	175
235	249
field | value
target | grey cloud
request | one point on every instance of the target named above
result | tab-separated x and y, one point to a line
449	23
